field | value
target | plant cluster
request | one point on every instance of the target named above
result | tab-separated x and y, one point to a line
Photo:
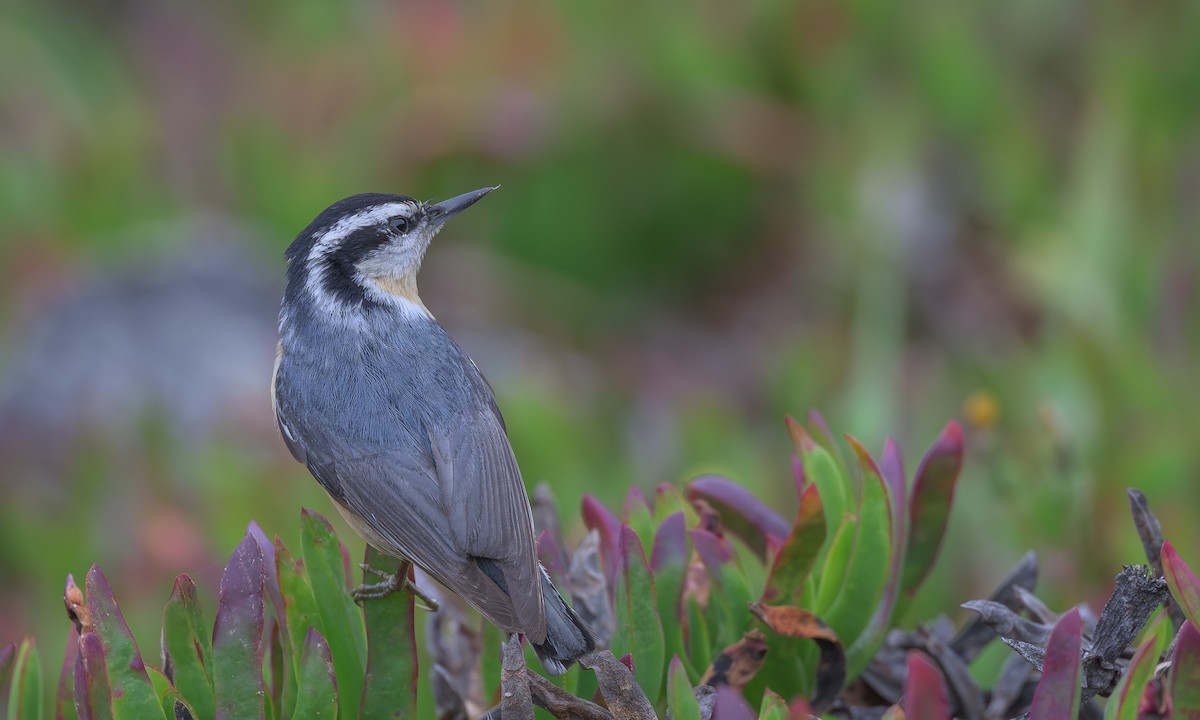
706	601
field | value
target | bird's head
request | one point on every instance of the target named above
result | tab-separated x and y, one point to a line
367	249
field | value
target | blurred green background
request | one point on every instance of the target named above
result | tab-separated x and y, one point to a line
711	215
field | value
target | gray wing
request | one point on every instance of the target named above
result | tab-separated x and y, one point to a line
442	503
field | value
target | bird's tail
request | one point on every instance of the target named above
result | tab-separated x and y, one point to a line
567	636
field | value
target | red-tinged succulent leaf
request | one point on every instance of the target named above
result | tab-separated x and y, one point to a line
825	437
1184	584
275	668
599	518
93	698
268	550
867	573
1057	694
390	685
681	701
1184	680
792	564
639	630
929	506
730	705
25	693
743	514
1123	704
341	618
132	694
318	691
238	636
64	696
925	694
187	646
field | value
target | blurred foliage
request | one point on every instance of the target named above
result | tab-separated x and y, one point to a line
711	216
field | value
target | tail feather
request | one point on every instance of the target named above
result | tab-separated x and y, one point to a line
567	636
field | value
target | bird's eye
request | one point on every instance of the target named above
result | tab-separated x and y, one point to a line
399	223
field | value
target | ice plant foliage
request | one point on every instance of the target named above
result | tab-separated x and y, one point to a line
711	599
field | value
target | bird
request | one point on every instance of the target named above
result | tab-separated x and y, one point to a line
399	426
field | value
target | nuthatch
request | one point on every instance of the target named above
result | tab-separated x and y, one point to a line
400	427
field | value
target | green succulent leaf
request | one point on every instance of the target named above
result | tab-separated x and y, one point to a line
1057	693
637	516
681	701
773	707
1123	704
868	570
317	695
822	470
132	695
341	619
639	630
238	636
25	693
301	613
187	646
730	595
668	562
390	682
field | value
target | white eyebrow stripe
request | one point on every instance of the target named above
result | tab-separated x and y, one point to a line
332	236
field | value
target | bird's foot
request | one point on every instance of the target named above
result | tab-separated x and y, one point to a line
390	583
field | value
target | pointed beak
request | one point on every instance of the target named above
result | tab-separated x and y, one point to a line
446	209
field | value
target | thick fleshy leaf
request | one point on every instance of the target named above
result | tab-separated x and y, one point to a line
318	692
187	646
301	612
636	515
822	470
132	694
929	506
681	701
598	518
390	684
1123	704
25	693
891	469
168	697
867	573
8	658
730	590
1057	694
238	636
832	576
773	707
1185	586
668	561
925	691
699	638
93	699
275	672
64	697
669	500
269	567
341	619
639	630
743	514
1185	673
792	565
